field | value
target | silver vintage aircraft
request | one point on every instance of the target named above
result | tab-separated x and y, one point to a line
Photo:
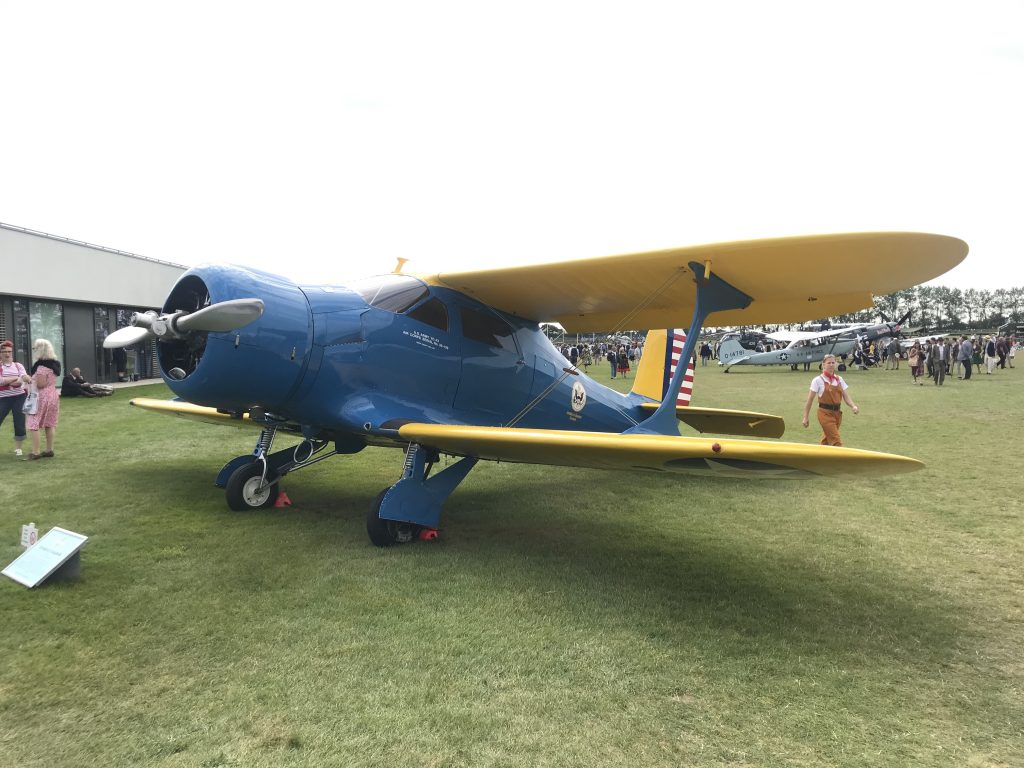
792	347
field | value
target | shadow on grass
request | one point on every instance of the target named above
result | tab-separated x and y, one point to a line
785	589
614	558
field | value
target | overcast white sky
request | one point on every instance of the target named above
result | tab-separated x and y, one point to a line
323	140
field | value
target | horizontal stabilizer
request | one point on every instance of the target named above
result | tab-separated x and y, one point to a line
656	453
719	421
727	364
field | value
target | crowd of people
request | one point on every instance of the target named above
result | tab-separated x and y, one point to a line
621	358
938	357
32	399
958	356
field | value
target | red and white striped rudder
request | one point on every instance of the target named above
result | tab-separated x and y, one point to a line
677	340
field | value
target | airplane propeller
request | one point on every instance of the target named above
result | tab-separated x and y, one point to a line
175	326
125	337
222	316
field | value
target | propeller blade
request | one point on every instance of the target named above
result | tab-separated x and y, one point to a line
125	337
222	316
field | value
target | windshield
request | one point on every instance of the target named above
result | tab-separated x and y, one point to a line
394	293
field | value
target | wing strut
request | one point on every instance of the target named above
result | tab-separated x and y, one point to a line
713	295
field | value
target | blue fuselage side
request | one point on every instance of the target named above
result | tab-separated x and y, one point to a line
325	358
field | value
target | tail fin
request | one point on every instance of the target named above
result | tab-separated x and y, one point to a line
661	355
730	351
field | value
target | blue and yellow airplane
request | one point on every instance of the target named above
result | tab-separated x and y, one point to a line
456	363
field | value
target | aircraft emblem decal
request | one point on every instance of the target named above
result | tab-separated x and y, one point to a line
579	397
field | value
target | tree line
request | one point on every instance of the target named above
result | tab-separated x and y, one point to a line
939	307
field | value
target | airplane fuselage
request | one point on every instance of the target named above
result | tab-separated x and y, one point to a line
731	353
363	360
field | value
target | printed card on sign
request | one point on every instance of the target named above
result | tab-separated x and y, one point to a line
38	563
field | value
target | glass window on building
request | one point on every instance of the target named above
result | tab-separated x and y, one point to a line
144	352
104	358
46	321
22	340
136	361
124	358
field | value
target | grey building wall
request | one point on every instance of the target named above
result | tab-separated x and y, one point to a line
81	278
38	265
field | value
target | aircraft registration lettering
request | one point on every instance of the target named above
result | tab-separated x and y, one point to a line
426	340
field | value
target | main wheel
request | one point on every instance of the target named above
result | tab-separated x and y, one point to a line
247	490
384	533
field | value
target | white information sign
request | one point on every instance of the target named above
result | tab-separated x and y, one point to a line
37	563
29	535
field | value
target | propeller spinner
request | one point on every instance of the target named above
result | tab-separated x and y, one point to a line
219	317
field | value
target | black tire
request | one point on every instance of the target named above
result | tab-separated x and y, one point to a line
383	533
243	490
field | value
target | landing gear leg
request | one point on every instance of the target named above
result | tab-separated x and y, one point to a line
415	501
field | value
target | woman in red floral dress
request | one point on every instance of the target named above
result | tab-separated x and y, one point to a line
45	374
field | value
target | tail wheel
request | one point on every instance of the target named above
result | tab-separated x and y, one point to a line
247	489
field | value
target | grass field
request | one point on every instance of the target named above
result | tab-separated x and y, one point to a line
565	617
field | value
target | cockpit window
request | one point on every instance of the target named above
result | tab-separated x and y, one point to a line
486	328
394	293
432	312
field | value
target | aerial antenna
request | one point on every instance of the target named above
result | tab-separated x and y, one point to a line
398	266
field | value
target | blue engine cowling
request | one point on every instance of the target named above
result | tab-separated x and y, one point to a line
260	364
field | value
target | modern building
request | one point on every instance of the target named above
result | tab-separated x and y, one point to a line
75	294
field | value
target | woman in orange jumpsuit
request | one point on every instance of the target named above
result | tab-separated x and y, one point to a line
830	390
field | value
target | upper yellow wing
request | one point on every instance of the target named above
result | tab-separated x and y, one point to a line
660	453
790	279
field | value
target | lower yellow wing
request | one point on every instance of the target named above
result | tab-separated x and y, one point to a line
658	453
604	450
203	413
